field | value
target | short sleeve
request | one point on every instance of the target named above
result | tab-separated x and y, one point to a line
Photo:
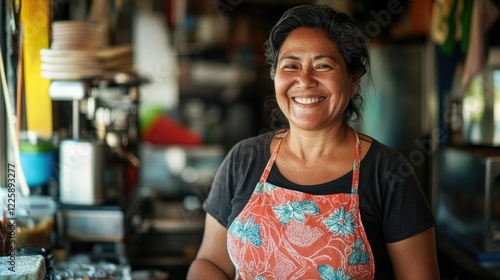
406	211
218	201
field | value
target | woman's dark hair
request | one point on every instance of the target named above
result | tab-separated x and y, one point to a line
341	30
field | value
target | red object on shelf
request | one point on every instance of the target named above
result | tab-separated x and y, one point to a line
164	131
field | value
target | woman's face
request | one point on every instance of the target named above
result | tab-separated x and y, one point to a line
312	84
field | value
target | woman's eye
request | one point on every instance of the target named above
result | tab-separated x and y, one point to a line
289	67
323	66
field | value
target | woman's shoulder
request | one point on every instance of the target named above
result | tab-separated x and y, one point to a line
252	147
380	152
254	143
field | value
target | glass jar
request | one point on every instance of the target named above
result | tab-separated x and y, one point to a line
35	222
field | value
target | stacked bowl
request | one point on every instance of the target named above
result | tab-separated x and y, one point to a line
81	50
77	35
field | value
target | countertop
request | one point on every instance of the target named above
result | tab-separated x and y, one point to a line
456	264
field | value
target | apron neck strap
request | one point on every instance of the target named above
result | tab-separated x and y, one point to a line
270	163
355	167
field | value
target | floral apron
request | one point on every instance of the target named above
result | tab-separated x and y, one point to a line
287	234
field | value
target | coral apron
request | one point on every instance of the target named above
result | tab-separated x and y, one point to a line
287	234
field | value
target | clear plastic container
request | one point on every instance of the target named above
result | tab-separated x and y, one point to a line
35	222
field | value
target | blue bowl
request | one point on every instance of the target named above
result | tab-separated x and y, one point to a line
37	167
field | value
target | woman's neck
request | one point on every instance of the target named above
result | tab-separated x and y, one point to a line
310	146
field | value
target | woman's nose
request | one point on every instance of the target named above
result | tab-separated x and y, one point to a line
306	79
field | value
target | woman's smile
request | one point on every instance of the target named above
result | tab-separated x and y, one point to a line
308	100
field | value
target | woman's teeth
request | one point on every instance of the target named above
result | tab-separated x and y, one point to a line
304	100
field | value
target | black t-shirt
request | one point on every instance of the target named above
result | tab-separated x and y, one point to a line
392	204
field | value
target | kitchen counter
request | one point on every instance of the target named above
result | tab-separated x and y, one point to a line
455	263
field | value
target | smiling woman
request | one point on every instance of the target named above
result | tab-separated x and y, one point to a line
309	200
312	84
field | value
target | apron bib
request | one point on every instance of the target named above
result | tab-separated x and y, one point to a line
288	234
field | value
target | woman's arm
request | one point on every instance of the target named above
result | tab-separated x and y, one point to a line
212	260
415	257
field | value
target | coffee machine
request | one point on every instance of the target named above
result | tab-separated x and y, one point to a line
103	145
98	161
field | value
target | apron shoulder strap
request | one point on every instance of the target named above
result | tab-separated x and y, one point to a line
270	163
356	165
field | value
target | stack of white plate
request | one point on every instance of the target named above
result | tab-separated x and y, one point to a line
74	51
71	64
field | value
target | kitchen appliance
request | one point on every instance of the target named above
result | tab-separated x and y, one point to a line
81	172
98	164
468	199
95	162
